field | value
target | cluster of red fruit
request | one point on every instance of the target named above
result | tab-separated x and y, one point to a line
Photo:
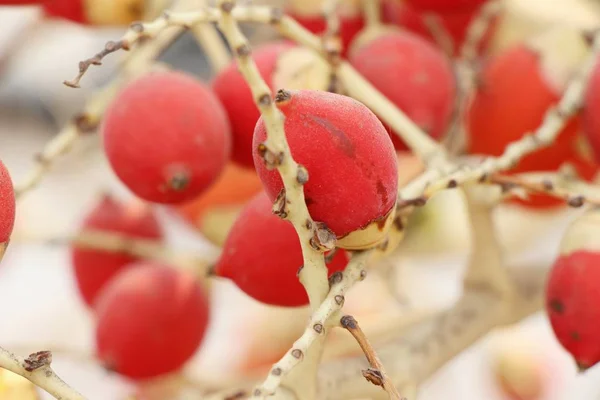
171	139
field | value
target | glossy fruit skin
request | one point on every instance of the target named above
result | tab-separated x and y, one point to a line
234	94
455	23
350	26
414	75
7	205
511	100
94	269
572	291
150	320
262	255
444	6
352	165
166	137
591	117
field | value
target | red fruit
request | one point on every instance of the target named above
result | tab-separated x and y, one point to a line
7	208
262	255
572	292
94	268
517	87
235	95
73	10
352	165
591	117
573	289
455	23
167	137
151	319
414	75
282	65
444	6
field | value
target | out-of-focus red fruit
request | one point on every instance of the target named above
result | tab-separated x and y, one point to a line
282	65
444	6
516	89
351	162
232	90
350	26
591	113
411	73
262	255
309	13
94	268
573	288
167	137
7	208
454	23
215	211
151	319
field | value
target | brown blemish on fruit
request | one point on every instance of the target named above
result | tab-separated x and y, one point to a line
343	142
381	191
179	181
575	336
336	277
557	306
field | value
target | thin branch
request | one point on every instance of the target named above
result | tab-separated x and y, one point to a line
36	368
89	118
556	118
358	87
372	12
436	28
413	357
573	198
332	42
456	137
142	248
376	373
317	328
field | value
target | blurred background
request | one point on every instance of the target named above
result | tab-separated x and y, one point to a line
39	304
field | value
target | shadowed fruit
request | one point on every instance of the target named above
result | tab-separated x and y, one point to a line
94	268
262	255
150	321
166	137
411	73
282	65
7	208
515	91
351	163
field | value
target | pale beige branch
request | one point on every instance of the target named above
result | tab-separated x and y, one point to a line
36	368
375	374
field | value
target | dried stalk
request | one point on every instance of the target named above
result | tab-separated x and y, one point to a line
376	373
36	368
